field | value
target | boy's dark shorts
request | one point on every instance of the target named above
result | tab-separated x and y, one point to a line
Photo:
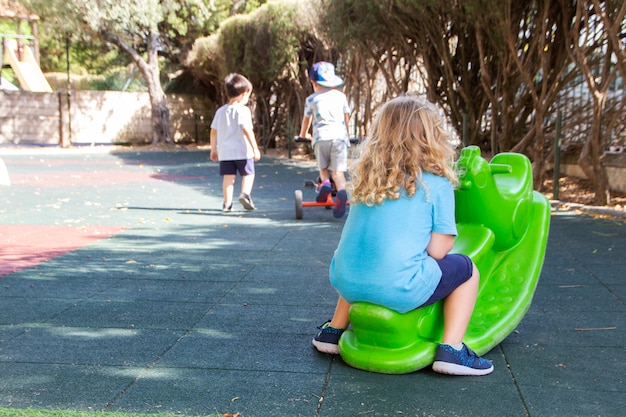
243	166
455	270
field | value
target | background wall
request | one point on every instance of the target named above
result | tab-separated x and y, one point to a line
96	117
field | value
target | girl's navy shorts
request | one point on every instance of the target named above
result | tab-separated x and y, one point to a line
455	270
243	166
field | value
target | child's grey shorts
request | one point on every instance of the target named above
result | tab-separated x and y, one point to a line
332	154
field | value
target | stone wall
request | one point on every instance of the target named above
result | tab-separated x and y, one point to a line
96	117
614	165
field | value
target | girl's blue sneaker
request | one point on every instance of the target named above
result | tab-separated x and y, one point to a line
450	361
326	340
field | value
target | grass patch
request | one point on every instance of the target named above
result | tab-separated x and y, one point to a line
30	412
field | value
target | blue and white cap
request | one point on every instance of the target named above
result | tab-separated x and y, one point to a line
323	73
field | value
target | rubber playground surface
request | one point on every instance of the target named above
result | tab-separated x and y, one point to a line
123	287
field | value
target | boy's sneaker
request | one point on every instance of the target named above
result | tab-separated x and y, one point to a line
226	208
325	189
246	202
326	340
450	361
340	204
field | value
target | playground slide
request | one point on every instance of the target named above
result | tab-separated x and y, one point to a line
503	226
27	70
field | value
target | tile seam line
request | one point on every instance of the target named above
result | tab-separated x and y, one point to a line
515	383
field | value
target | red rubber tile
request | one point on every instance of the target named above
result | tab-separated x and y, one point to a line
23	246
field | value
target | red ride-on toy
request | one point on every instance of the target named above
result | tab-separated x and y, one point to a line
330	202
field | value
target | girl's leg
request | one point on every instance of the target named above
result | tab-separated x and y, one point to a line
341	317
452	356
458	308
228	186
326	340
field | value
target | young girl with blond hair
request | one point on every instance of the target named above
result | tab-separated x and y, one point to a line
394	246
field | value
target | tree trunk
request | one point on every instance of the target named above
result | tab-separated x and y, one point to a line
590	159
159	110
538	148
151	74
158	101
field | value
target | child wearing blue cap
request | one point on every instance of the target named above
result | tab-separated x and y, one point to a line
328	111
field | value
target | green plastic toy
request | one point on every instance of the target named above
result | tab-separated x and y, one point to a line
503	226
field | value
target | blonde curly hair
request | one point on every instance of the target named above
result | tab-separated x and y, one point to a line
407	138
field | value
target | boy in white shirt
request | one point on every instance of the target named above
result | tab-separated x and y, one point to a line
233	143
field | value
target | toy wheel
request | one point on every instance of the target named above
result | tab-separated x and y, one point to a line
298	198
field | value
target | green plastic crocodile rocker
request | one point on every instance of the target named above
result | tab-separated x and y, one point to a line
503	226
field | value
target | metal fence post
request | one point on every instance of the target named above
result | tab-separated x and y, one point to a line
557	157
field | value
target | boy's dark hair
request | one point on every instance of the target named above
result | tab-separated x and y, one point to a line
236	84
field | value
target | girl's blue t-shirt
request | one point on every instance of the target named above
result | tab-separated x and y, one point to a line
381	257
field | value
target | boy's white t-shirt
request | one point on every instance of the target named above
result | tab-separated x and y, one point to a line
229	122
327	108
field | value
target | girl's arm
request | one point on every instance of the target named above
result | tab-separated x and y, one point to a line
439	245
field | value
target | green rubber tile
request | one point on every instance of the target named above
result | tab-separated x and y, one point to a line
609	272
199	265
252	318
598	368
576	297
195	391
133	314
302	254
8	333
177	290
564	401
422	393
304	248
20	310
62	386
619	291
576	328
41	282
81	346
266	272
254	351
559	273
289	291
